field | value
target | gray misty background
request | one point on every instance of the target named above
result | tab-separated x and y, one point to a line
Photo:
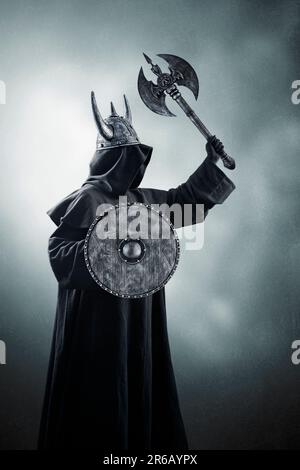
233	307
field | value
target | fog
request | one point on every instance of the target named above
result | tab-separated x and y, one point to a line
233	306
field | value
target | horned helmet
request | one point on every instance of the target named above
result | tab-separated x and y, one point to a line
114	131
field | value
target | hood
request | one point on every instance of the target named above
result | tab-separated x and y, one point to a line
119	169
115	170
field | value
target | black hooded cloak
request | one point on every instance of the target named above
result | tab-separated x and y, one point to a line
110	382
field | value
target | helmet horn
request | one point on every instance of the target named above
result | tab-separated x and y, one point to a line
113	109
105	130
127	110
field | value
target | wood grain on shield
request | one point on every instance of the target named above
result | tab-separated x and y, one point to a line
110	271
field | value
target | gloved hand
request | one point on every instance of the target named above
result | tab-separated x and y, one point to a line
213	147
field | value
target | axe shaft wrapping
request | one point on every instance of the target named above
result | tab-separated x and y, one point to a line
176	95
193	117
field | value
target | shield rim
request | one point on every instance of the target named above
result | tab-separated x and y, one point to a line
111	291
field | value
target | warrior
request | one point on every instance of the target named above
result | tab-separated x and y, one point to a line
110	382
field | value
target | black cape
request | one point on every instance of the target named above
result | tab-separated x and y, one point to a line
110	382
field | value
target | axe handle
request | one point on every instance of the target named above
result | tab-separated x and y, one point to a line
228	161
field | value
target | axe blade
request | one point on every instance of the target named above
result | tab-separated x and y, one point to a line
189	76
150	96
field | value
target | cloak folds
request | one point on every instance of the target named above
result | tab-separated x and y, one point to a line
110	382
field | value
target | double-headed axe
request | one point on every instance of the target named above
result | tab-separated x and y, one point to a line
154	95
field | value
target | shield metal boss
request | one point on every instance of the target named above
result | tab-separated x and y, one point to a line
132	250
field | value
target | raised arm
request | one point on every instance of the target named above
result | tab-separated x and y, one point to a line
208	185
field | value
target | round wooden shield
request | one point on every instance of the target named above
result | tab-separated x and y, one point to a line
132	250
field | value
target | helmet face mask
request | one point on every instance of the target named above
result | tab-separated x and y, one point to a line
114	131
